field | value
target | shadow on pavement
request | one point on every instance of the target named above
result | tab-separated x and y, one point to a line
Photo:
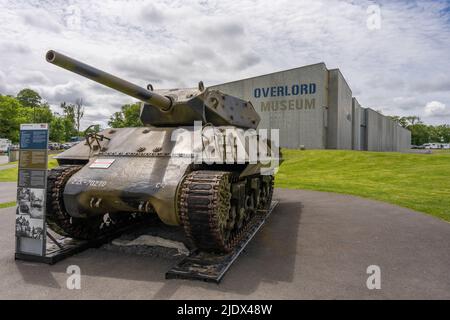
37	274
269	257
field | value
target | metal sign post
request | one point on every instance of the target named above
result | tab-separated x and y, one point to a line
31	230
31	190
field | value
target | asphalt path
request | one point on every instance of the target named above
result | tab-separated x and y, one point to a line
3	159
8	191
315	245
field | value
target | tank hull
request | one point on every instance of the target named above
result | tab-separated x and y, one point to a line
130	184
140	169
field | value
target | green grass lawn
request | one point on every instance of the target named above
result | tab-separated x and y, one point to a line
417	181
7	164
441	151
7	204
10	175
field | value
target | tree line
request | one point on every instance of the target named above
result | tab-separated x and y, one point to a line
423	133
29	107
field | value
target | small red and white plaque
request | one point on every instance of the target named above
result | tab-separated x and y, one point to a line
101	163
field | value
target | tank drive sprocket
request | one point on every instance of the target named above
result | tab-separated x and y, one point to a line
62	223
211	220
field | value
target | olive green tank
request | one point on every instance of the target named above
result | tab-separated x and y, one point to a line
197	162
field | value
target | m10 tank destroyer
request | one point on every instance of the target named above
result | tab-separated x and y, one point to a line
191	164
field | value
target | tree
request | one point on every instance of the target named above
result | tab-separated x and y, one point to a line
127	117
402	121
412	120
444	130
69	112
69	120
79	112
12	114
440	133
57	129
420	134
29	98
42	114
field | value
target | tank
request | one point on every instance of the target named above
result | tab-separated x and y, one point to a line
197	163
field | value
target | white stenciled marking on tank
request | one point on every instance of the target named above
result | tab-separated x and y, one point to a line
90	183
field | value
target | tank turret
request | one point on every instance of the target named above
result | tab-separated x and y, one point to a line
174	107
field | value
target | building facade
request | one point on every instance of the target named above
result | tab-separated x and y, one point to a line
313	107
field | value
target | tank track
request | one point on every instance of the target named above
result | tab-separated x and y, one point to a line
204	200
62	223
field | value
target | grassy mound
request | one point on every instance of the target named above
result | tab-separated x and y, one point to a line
417	181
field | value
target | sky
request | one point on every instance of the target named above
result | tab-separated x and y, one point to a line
395	55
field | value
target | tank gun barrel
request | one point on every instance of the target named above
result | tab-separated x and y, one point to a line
109	80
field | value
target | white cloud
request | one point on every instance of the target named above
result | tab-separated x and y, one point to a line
436	109
398	68
39	18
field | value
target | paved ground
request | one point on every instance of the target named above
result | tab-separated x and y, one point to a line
3	159
7	166
8	191
314	246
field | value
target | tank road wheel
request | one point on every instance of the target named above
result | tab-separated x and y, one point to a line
249	206
266	192
232	219
61	222
241	218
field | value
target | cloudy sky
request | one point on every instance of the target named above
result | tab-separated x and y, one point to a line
398	64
